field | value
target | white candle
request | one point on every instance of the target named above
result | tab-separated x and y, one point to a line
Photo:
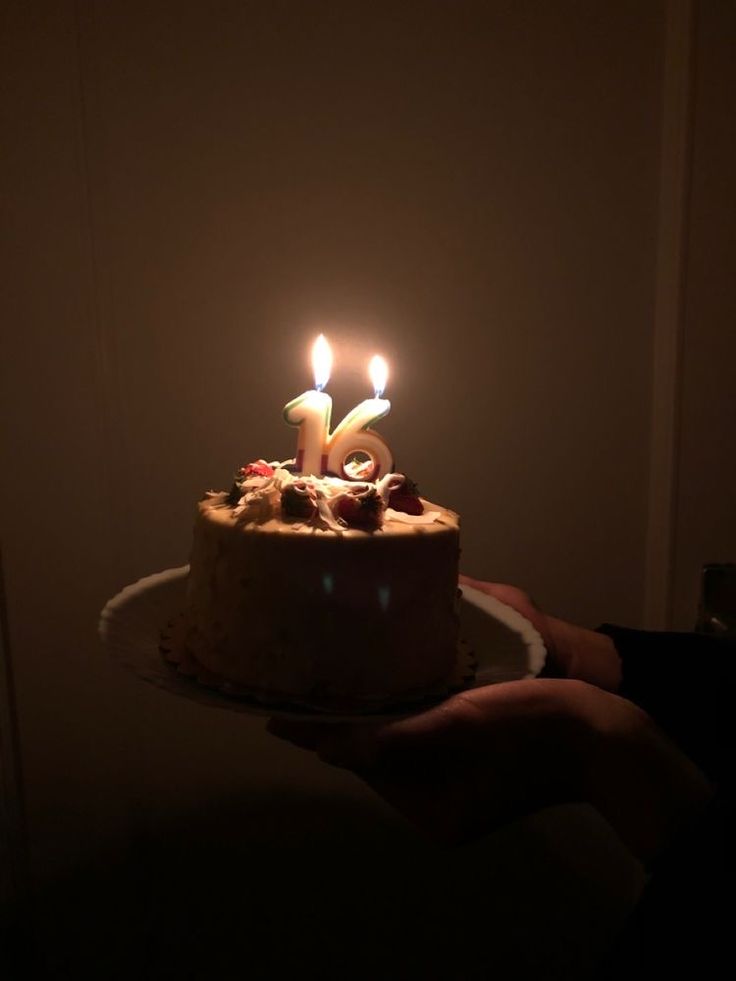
311	412
354	436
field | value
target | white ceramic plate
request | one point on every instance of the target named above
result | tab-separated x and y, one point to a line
506	646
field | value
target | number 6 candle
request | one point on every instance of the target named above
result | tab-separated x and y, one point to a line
353	436
311	412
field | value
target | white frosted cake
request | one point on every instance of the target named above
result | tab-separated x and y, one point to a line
324	592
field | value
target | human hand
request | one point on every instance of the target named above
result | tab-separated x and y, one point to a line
573	651
491	754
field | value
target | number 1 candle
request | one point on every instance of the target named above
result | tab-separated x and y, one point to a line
311	412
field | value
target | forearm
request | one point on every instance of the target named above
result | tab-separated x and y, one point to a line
685	682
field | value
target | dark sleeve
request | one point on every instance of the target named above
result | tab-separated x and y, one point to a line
685	682
679	926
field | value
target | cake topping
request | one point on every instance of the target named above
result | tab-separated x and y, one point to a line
263	491
361	506
258	469
406	498
298	500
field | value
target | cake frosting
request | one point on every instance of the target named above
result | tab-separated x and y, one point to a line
328	592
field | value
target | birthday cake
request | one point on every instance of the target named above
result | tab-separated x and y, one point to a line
321	591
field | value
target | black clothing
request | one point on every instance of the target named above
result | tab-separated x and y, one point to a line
685	683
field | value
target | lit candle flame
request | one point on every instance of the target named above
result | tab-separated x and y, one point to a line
378	373
321	362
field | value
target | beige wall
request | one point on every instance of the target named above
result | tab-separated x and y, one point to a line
194	189
705	528
472	191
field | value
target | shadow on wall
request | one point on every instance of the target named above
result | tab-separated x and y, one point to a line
318	888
